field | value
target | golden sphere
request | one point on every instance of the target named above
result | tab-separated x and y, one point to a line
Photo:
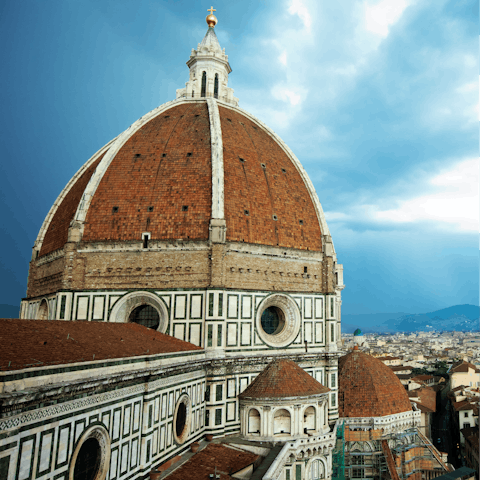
211	20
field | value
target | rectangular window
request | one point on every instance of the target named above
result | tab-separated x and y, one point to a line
332	332
219	393
148	451
357	473
357	460
207	417
218	416
332	310
287	474
63	303
210	304
334	401
207	393
333	383
465	414
210	336
220	304
298	472
219	336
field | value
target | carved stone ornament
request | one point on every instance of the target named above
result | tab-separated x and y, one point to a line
291	318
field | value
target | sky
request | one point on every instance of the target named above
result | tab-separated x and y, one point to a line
378	99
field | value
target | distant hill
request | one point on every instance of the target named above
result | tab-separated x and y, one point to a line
9	311
458	318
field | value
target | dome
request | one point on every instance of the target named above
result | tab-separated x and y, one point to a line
283	378
157	177
197	194
357	332
368	388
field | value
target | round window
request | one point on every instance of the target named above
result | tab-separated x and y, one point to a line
182	418
278	320
91	457
88	460
145	315
273	320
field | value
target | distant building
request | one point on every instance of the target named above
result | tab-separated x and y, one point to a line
464	373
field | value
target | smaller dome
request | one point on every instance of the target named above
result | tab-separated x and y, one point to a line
368	388
283	378
357	333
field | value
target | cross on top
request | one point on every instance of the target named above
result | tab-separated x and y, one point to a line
211	10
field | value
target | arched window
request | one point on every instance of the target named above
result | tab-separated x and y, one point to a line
193	93
316	470
281	422
309	419
215	87
204	84
42	313
254	421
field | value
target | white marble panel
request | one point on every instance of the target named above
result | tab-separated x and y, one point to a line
98	304
82	308
25	460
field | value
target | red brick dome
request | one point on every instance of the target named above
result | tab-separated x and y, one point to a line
368	388
157	177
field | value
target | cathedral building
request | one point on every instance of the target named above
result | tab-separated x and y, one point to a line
184	289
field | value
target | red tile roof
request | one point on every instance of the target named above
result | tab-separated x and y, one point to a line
283	378
368	388
35	343
464	405
427	398
166	165
463	367
227	460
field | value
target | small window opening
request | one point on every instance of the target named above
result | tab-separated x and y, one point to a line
137	155
164	154
114	209
193	93
166	116
242	159
274	217
204	84
229	120
145	238
263	165
197	115
150	209
246	212
184	208
300	222
305	269
189	154
284	171
215	86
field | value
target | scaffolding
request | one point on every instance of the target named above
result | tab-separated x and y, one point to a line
411	458
338	457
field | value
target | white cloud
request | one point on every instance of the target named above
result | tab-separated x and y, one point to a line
297	7
453	203
283	58
380	16
286	94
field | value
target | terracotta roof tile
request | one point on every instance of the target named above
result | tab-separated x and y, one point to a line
227	460
368	388
427	398
34	343
283	378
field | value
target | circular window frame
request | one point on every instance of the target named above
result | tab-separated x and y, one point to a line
291	314
124	307
100	433
184	399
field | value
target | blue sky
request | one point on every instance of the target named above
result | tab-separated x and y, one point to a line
378	100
